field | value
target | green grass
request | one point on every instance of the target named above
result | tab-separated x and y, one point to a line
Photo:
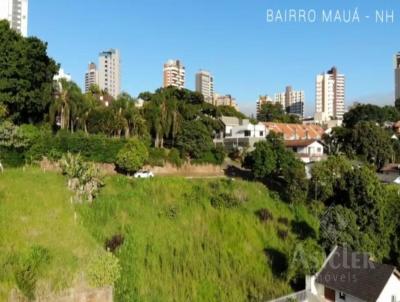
35	209
177	246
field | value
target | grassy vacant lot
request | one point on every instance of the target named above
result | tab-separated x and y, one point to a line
180	243
178	247
35	210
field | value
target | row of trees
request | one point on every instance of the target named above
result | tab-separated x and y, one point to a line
169	118
354	207
367	135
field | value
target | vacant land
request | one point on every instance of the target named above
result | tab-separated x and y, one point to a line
177	239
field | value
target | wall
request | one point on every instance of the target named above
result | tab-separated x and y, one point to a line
187	170
391	289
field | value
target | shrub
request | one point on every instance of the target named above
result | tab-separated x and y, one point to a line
264	215
174	157
103	269
29	270
83	177
225	200
96	148
132	156
157	157
114	243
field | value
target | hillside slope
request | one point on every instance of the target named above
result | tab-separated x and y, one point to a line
179	247
35	212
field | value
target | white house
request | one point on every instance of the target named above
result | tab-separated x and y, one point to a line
352	276
240	133
348	276
309	150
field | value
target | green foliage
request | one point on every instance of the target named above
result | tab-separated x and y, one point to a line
17	137
83	178
328	177
26	97
195	140
132	156
103	269
372	143
157	157
230	111
370	113
279	168
96	148
306	259
274	112
30	269
366	141
174	157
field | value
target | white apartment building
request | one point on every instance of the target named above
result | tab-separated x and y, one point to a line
205	85
397	76
110	72
174	74
291	100
16	12
329	96
91	76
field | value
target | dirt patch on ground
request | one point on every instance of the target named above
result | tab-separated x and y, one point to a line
187	170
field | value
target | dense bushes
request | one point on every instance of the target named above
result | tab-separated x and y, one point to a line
132	156
97	148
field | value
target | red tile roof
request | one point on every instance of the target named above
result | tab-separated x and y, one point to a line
299	143
296	131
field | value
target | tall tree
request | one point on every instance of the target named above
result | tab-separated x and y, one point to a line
26	76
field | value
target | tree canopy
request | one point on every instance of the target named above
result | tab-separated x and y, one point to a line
26	76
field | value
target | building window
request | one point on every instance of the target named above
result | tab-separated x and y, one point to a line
247	133
342	296
261	133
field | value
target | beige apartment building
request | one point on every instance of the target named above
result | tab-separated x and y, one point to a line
110	72
174	74
205	85
329	96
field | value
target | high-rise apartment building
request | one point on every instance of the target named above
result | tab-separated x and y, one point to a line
329	96
205	85
397	76
294	101
16	12
110	72
174	74
91	76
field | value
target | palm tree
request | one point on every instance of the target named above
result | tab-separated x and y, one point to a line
67	96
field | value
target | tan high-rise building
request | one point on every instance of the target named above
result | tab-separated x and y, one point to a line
91	76
205	85
397	76
174	74
16	12
110	72
294	101
329	96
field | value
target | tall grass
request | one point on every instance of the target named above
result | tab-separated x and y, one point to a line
35	211
179	248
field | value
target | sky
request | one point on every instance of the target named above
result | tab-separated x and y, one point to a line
247	55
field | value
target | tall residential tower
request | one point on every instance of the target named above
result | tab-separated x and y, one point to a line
329	96
205	85
91	76
174	74
110	72
397	76
292	101
16	12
